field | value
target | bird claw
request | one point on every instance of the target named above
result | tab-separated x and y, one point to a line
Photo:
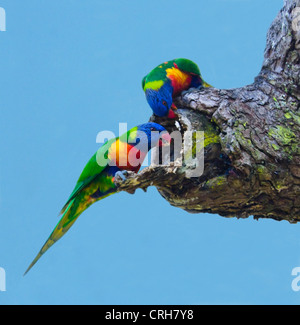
121	175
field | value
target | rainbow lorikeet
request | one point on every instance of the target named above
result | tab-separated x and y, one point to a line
124	153
167	81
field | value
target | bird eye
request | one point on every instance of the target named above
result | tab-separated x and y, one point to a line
164	103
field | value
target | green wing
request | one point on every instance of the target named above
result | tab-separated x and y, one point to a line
90	171
159	72
190	67
187	66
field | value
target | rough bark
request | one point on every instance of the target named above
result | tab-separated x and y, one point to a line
252	164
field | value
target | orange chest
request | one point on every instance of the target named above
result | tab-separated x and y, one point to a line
180	80
125	156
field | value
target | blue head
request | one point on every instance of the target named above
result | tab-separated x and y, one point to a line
150	134
160	100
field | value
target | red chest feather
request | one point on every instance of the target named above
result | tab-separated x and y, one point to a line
180	80
125	156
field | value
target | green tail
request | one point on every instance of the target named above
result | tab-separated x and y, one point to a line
87	191
66	221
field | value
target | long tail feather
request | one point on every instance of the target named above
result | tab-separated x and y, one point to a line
61	228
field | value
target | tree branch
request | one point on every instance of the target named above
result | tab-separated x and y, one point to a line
252	163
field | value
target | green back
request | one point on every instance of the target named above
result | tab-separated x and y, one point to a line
159	73
187	66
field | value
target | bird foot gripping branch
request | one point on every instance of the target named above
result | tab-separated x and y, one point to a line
121	181
121	175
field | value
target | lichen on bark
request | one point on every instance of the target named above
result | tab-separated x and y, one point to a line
252	163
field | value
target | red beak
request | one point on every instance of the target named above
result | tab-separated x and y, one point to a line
171	114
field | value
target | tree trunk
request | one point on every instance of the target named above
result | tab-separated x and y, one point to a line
251	148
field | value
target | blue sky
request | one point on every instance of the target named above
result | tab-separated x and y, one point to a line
70	69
